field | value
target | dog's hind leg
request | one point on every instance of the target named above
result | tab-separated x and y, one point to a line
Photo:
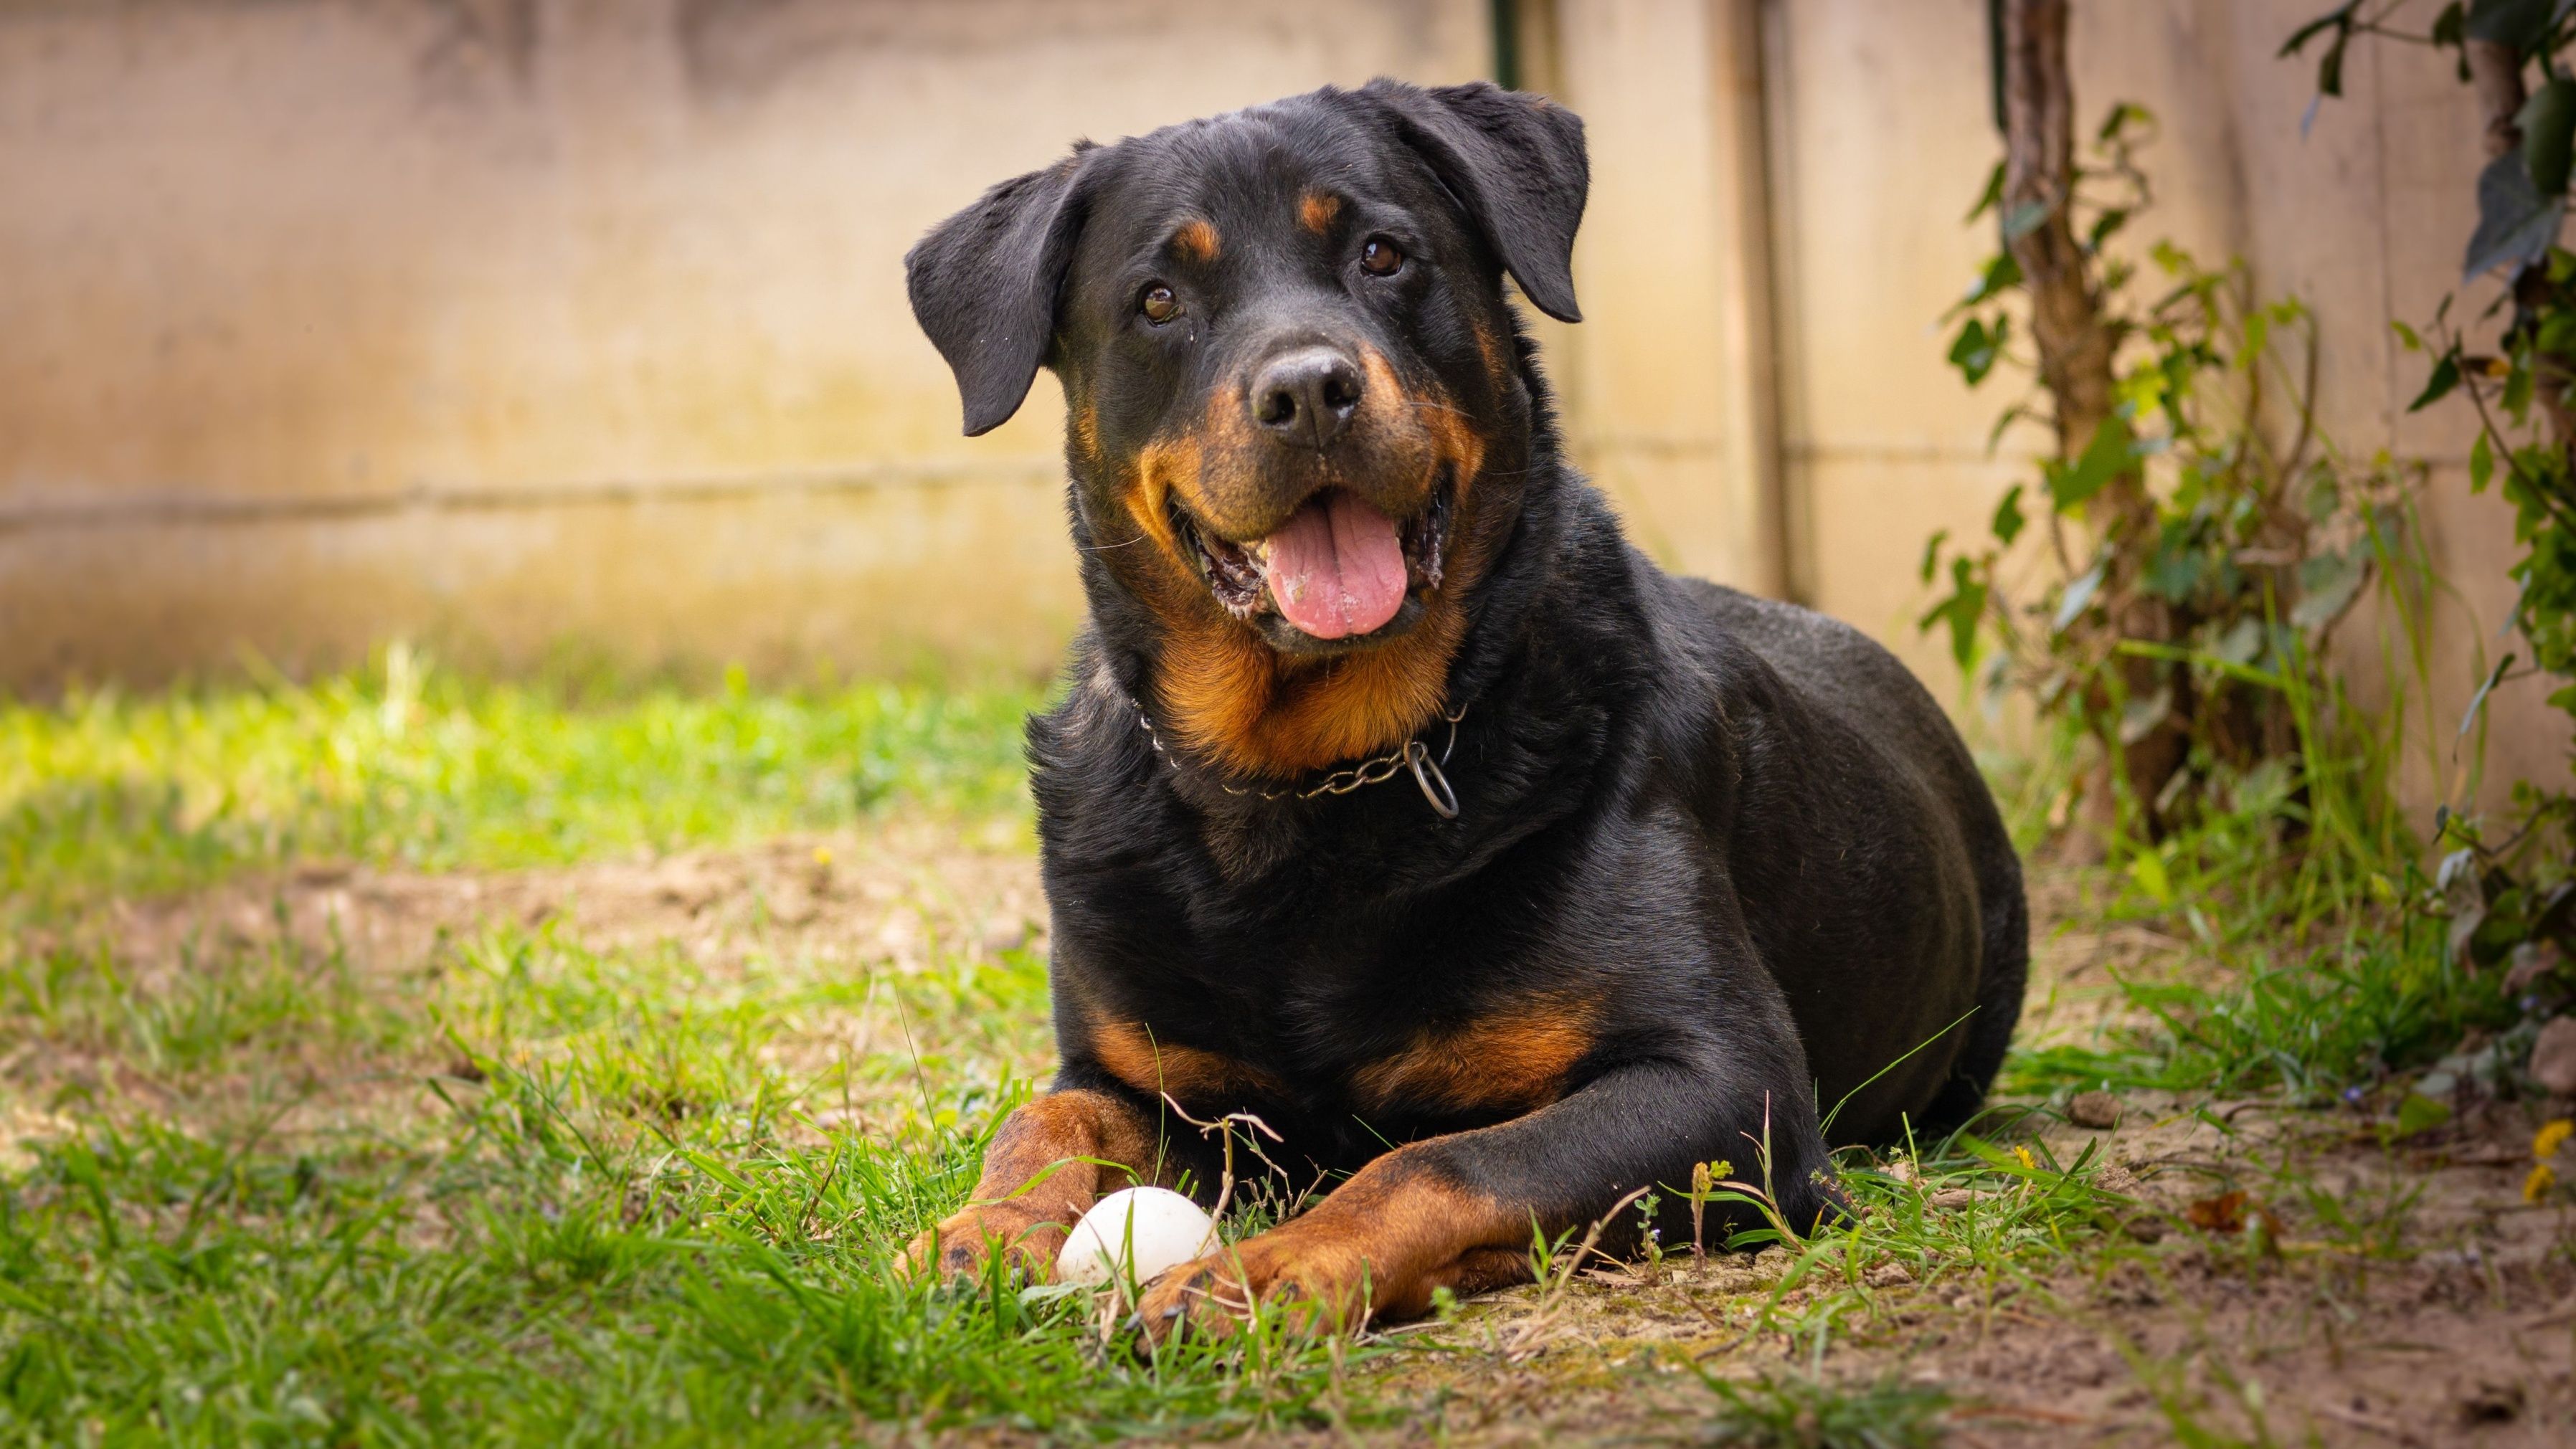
2004	973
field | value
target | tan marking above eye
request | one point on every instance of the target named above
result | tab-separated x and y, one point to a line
1316	211
1196	239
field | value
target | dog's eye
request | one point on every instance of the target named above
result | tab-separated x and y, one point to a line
1380	258
1158	304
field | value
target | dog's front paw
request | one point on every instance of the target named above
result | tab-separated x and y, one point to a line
967	1239
1320	1274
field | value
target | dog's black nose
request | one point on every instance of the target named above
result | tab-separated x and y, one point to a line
1307	397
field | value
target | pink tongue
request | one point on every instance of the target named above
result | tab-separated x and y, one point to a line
1337	567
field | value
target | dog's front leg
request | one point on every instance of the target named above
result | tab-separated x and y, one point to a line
1459	1212
1043	1171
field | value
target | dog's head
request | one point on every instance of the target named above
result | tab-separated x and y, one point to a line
1299	420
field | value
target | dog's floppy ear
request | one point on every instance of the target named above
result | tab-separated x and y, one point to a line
984	285
1518	165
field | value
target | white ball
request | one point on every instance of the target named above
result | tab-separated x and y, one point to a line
1161	1228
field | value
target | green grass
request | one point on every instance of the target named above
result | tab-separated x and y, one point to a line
536	1280
558	1195
2344	1017
529	1186
401	765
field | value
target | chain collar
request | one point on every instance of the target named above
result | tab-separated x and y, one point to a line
1415	756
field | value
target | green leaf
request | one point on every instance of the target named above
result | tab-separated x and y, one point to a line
2175	574
2001	273
2451	26
2330	66
2446	376
2419	1114
2024	219
1963	610
1991	197
2339	18
2079	595
2242	641
2011	415
2008	517
2518	23
2481	463
2548	122
2478	701
2148	869
2516	225
1976	350
2327	583
2121	116
2142	716
1932	552
2105	458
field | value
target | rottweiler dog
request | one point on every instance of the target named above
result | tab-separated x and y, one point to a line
1394	797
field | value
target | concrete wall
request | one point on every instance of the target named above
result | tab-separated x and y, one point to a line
506	323
513	322
1667	382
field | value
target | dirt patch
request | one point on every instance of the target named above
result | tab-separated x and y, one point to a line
300	1002
2437	1352
898	892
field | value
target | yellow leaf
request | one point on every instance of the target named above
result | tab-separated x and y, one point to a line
2537	1186
2552	1135
2149	872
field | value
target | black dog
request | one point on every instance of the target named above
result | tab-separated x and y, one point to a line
1396	799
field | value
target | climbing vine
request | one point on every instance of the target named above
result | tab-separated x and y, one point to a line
2168	625
2513	883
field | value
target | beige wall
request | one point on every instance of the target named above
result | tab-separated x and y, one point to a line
507	323
511	322
1667	381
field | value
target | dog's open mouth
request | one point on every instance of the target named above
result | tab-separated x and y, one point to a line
1337	569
